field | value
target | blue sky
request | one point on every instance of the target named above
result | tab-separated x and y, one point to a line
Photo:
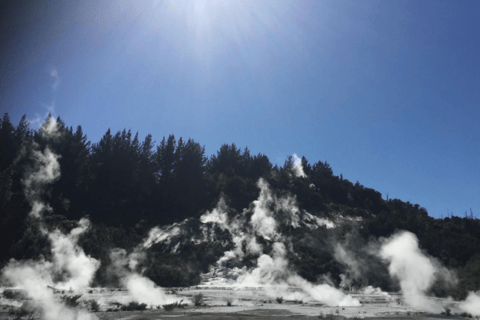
386	91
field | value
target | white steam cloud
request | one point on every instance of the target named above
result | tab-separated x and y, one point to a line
70	267
140	288
144	290
298	167
415	271
157	235
39	119
69	257
272	271
45	170
263	221
218	215
343	256
471	304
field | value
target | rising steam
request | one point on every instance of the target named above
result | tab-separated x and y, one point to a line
415	271
298	167
70	268
44	170
255	232
141	289
272	271
471	304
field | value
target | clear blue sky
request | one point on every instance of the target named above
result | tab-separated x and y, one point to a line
386	91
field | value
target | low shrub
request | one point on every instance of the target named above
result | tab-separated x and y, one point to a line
466	315
328	316
72	301
198	300
448	311
168	270
134	306
279	300
93	305
15	294
26	311
171	306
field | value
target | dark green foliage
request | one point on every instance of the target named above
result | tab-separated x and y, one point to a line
100	240
134	306
279	300
25	311
447	312
126	186
167	270
189	174
234	174
94	305
32	243
314	255
13	206
15	294
72	186
71	301
469	279
12	139
172	306
198	299
181	178
229	160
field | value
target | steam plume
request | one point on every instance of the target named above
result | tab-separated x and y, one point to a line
263	221
140	288
69	257
70	267
298	167
346	258
415	271
471	304
45	170
34	277
272	271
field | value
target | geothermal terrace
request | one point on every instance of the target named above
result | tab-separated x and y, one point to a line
241	303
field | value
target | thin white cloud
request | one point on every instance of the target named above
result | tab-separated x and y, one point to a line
39	119
51	108
56	78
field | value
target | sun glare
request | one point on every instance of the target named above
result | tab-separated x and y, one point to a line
201	21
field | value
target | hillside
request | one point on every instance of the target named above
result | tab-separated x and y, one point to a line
184	218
